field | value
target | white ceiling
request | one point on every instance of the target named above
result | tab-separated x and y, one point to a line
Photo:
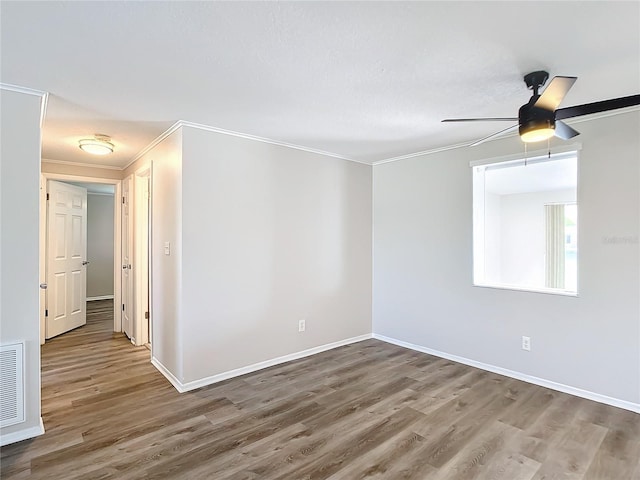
96	188
535	176
364	81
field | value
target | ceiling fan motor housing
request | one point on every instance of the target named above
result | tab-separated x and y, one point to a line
532	118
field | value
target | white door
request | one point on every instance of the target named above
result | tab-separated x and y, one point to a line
127	254
66	258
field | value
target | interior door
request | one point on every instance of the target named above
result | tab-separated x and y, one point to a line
127	254
66	258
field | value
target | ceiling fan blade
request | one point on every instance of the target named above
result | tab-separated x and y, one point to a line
564	131
596	107
497	134
488	119
554	93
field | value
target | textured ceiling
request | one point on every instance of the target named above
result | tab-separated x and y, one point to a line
364	81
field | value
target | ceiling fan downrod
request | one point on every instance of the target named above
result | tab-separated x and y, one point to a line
535	80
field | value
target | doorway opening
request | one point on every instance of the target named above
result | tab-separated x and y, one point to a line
44	254
79	250
120	275
133	237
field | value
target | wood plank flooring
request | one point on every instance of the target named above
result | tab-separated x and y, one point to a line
365	411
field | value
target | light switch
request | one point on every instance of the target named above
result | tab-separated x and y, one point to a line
167	248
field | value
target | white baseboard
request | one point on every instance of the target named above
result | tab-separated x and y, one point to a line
167	373
100	297
6	439
203	382
596	397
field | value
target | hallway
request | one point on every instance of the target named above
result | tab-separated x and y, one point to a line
94	384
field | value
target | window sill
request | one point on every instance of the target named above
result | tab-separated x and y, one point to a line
548	291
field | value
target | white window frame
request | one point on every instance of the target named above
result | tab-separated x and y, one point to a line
478	273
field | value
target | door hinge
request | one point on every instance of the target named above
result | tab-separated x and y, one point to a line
123	200
46	313
123	307
146	315
47	196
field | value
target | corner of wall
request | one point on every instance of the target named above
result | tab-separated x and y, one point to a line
20	435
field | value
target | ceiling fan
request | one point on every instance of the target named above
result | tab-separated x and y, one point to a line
540	118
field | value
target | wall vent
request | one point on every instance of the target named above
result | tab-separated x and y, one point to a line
11	384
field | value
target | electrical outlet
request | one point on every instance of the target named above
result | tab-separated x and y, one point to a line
301	325
526	343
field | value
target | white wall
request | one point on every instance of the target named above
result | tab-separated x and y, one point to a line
99	245
493	237
522	232
19	249
166	270
423	291
271	235
63	168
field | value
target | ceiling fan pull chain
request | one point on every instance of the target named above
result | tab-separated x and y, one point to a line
549	147
525	154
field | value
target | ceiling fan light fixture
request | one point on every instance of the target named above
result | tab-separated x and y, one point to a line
537	134
536	124
98	145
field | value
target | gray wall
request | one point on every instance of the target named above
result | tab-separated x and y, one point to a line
260	236
19	249
271	235
99	245
423	291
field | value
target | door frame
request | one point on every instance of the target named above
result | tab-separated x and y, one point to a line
128	238
117	287
141	252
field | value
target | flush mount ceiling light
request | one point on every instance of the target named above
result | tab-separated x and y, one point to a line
98	145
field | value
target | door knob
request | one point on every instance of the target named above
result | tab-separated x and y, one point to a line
43	286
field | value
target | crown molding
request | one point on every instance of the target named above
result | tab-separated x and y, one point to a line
43	109
20	89
100	194
30	91
208	128
184	123
79	164
531	155
154	143
424	152
270	141
585	118
596	116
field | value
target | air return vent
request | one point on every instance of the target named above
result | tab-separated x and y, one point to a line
11	384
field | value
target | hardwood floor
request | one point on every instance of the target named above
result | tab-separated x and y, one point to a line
365	411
